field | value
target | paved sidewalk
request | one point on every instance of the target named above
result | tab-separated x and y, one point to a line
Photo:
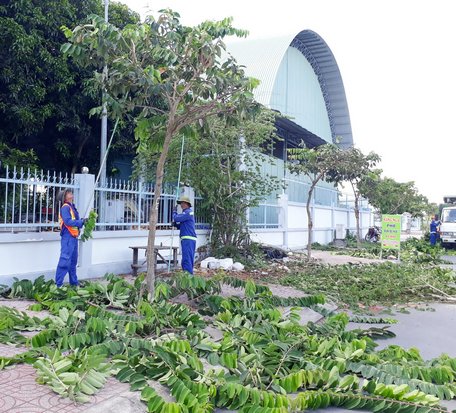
20	393
330	258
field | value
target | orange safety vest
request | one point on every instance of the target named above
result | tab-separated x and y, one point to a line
74	231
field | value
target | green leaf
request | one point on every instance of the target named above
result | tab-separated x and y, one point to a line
124	374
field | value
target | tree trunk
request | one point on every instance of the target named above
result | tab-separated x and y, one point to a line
309	223
358	237
77	155
153	218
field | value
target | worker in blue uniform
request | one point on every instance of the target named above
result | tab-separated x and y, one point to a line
70	225
434	229
185	222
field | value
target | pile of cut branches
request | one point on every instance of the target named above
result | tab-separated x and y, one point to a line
266	361
368	284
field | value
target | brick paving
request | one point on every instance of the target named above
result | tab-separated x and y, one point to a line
20	393
23	305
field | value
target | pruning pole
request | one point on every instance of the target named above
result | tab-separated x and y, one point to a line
101	166
177	197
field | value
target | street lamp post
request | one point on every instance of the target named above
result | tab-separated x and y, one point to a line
104	136
104	115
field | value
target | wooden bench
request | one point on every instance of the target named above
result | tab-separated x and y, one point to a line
157	248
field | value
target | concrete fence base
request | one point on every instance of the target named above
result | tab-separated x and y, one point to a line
29	255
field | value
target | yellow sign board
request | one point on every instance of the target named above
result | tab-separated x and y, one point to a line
391	232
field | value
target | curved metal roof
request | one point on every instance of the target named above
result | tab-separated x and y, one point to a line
262	58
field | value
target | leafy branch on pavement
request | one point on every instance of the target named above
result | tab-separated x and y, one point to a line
374	284
265	361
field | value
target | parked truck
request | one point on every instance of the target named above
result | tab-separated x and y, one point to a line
448	222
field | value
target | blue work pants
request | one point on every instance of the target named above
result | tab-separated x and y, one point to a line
188	254
68	260
433	238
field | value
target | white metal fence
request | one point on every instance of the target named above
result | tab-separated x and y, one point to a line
264	216
296	187
28	202
126	205
29	199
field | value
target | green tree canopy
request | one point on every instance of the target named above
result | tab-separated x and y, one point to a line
322	163
357	166
392	197
44	105
223	163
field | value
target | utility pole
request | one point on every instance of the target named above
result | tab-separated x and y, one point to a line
104	115
104	136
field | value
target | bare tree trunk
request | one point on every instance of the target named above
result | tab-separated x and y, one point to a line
309	223
78	154
358	237
356	210
153	218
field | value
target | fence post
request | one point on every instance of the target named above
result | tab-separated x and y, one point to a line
85	192
312	213
139	209
283	218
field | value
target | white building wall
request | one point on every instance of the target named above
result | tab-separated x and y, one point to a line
27	252
323	216
325	221
268	237
297	216
297	239
341	217
29	255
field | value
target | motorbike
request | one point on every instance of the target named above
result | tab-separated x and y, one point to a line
373	234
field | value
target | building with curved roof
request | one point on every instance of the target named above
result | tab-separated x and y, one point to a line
300	78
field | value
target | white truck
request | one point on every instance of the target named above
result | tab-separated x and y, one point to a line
448	223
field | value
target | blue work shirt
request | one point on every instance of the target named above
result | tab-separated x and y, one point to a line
66	217
434	225
186	224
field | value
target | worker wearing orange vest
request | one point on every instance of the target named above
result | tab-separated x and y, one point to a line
70	225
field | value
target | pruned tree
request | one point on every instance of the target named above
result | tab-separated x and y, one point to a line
356	166
168	76
318	164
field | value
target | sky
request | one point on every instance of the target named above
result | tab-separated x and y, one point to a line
397	60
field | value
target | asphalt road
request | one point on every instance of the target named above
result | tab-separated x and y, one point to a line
450	258
431	329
